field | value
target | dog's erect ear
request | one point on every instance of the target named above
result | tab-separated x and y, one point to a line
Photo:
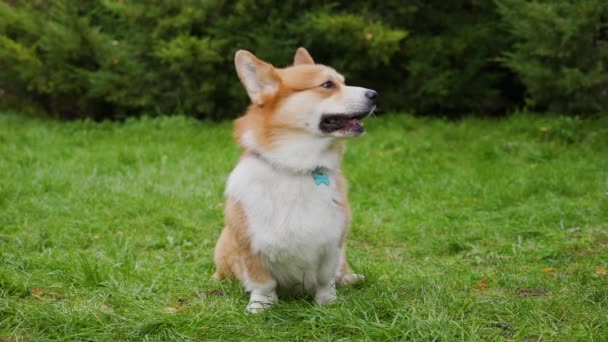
302	57
259	78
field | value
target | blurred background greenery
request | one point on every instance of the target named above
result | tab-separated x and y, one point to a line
110	59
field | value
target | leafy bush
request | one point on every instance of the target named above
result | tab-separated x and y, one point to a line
113	58
107	59
451	59
560	52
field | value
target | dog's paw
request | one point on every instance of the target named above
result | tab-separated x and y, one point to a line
349	279
325	296
257	307
259	302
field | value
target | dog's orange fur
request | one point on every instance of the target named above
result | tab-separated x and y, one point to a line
234	244
261	119
285	137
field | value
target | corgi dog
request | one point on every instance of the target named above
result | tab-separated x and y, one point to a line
287	213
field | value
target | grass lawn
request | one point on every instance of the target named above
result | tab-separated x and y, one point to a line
478	229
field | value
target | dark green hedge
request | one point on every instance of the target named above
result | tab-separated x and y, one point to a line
560	52
115	58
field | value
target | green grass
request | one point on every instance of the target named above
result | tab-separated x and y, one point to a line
107	232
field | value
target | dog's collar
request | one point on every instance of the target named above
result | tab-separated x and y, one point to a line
319	174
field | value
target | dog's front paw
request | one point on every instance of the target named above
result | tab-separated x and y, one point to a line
257	307
259	302
325	295
349	279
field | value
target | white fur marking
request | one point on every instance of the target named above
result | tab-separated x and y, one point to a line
294	224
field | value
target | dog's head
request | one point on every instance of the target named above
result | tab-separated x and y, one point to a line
306	97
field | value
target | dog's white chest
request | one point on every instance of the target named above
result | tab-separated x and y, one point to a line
293	221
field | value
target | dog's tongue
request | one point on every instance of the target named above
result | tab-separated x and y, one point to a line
353	123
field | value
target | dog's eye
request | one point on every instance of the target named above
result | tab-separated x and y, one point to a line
328	85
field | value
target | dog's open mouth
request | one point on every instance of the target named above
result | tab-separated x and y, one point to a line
348	124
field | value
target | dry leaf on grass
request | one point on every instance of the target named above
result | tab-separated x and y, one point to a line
174	309
587	251
15	338
38	292
532	293
212	293
601	271
482	284
105	308
548	270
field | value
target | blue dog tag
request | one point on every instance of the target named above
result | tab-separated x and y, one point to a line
320	177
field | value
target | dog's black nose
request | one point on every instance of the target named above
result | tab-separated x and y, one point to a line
371	94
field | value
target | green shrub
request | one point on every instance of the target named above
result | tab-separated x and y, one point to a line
113	58
451	59
560	52
447	63
108	59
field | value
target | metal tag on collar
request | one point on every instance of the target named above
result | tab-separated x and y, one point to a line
320	177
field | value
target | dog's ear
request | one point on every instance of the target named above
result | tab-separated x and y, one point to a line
259	78
302	57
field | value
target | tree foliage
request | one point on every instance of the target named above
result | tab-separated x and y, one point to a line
560	52
113	58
